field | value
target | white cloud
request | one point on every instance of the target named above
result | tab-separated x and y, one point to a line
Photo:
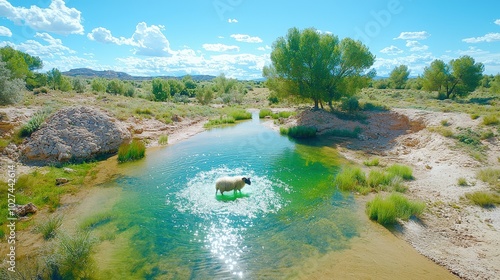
266	48
419	35
148	40
4	31
232	20
497	21
490	37
220	48
416	62
53	47
57	18
391	50
415	46
246	38
491	60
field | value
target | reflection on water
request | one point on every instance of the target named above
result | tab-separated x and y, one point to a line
171	224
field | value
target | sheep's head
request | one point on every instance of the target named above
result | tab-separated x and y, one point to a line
246	180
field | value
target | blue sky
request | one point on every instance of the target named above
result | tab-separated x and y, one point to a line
235	37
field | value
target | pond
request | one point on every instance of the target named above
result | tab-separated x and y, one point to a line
170	224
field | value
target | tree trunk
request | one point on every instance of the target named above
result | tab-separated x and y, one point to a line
316	102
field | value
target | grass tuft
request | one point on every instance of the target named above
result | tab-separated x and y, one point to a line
239	115
484	199
402	171
163	140
387	210
351	179
49	228
462	182
490	176
33	124
372	162
491	120
134	150
220	121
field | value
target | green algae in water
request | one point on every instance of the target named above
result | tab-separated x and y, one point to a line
171	223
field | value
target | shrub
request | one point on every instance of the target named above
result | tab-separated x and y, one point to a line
163	140
34	123
487	135
143	111
48	229
445	123
273	100
350	104
402	171
474	116
490	120
134	150
484	199
387	210
377	178
11	90
220	121
299	131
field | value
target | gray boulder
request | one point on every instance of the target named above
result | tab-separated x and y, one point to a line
74	134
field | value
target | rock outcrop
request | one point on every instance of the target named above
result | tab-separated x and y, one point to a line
74	134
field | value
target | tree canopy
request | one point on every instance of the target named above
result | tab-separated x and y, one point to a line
457	78
399	76
317	66
19	63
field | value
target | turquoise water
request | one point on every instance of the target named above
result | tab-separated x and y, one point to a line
175	226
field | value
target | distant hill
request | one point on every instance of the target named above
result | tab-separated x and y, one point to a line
110	74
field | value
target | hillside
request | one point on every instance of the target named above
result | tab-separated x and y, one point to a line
110	74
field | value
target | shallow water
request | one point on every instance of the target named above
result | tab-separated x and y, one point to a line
169	223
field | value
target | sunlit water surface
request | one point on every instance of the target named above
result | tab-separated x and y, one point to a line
170	224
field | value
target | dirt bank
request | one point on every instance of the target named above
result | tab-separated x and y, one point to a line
462	237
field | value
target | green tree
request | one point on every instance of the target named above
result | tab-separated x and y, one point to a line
54	78
205	95
399	76
160	89
19	63
318	66
495	84
79	85
176	87
223	85
36	80
458	78
99	84
10	89
189	85
115	86
65	84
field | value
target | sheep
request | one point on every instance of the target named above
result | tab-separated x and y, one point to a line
226	184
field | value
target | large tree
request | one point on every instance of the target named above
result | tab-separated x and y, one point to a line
312	65
399	76
458	78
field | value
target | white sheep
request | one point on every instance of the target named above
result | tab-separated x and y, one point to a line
226	184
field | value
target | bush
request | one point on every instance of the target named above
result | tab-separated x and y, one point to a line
11	90
402	171
220	121
299	131
386	211
134	150
377	179
34	123
462	182
484	199
350	104
265	112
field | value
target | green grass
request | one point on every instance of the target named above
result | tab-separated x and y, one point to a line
379	179
484	199
240	114
372	162
462	182
4	143
134	150
445	123
387	211
446	132
351	179
33	124
490	120
402	171
143	111
220	121
39	187
490	176
163	140
49	227
474	116
299	131
97	220
72	259
267	112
